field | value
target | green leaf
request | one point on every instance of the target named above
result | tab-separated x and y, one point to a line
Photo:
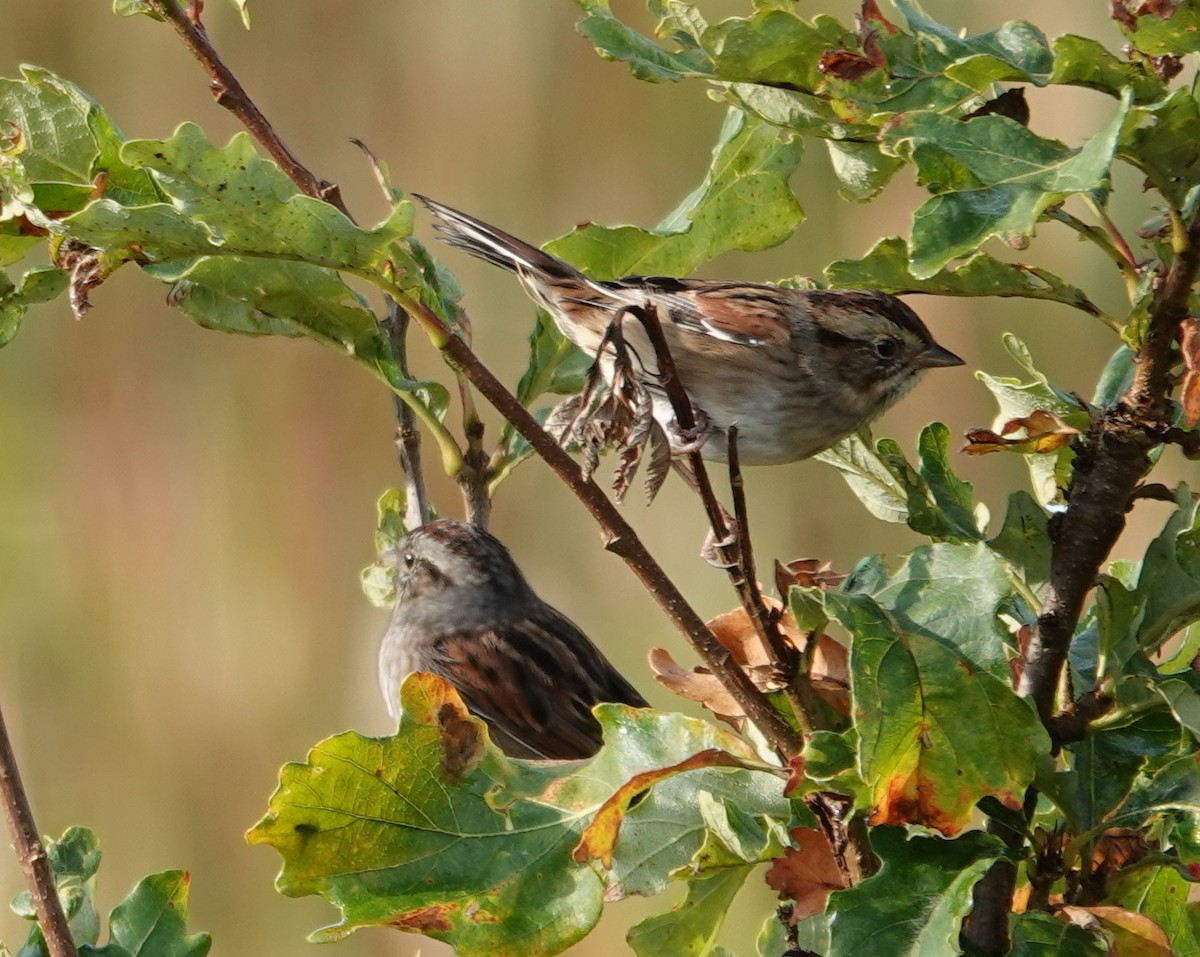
67	149
1024	540
951	593
227	201
773	47
1037	934
1173	787
870	478
1018	398
40	284
1157	34
916	902
133	8
1116	377
1160	139
886	267
990	177
932	501
436	831
1080	61
152	920
744	203
1168	584
690	928
921	766
149	922
379	578
1161	894
1017	44
56	147
647	60
862	169
74	858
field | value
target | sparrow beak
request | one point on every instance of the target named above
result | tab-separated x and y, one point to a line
935	356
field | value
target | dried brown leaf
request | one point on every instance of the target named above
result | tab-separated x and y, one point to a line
1044	432
806	572
1189	396
806	873
844	65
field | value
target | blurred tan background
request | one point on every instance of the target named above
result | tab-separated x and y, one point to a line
183	514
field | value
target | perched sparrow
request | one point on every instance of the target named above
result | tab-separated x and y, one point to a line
794	369
464	612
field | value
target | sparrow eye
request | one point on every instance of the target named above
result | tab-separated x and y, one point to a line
409	559
886	348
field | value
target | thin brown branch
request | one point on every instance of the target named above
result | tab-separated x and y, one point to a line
731	544
408	438
798	690
32	854
229	93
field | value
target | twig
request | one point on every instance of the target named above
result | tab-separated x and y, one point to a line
228	92
31	854
798	690
732	545
408	438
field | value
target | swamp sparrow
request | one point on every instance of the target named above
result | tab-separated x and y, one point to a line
794	369
464	612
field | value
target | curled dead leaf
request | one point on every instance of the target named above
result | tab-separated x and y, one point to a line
844	65
1044	432
829	673
806	572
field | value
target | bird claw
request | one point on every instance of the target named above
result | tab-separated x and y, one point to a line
686	441
712	548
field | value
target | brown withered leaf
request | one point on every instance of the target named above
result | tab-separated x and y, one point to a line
805	572
696	684
1189	393
1010	103
869	22
1164	9
1119	12
84	264
806	873
1120	847
830	674
844	65
1044	432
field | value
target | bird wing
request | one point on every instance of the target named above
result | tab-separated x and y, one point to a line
532	687
749	314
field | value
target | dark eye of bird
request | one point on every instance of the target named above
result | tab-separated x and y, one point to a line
409	559
886	348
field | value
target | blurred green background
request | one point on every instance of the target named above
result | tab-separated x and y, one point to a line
183	514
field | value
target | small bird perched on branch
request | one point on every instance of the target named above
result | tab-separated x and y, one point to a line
465	612
794	369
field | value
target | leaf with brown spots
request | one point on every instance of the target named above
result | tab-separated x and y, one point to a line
599	838
937	730
436	831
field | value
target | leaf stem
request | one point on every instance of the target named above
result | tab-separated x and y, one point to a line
1115	249
32	854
